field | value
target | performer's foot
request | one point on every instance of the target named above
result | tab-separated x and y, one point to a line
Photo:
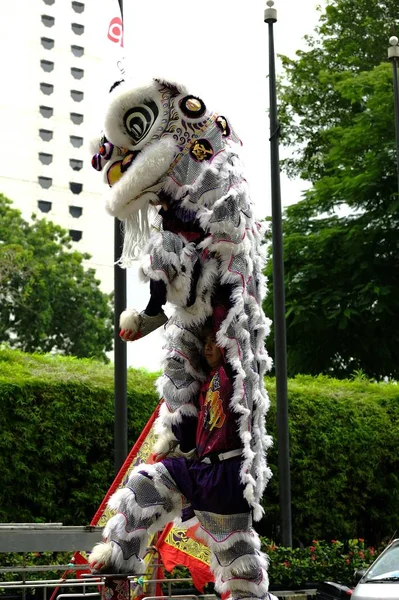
134	326
100	558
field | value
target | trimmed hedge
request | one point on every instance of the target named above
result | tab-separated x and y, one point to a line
344	438
56	442
56	447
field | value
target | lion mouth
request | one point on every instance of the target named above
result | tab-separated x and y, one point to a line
116	171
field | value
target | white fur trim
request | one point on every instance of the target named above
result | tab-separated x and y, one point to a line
128	194
130	319
101	554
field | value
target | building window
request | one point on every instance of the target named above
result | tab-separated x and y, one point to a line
44	206
75	235
47	43
76	188
75	164
77	50
45	182
76	118
78	7
47	88
47	65
76	141
46	135
45	159
77	28
76	95
77	73
75	211
46	111
48	21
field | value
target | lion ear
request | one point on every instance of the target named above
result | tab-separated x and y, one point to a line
173	86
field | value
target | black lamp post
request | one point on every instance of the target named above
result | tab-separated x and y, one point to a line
393	55
120	354
280	343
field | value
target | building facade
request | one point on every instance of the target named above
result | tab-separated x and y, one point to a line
53	78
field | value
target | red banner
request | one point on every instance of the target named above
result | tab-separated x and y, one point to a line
180	547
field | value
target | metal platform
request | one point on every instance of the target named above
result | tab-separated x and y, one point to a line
47	537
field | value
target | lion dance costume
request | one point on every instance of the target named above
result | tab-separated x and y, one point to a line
160	141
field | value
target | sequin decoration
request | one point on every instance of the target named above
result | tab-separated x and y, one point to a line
252	573
237	550
227	210
133	521
239	265
178	376
129	547
220	527
144	490
164	477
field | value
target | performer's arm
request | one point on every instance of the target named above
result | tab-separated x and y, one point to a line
185	433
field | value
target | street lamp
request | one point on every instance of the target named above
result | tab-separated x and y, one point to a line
280	344
393	55
120	351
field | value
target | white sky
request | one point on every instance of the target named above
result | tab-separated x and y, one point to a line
220	49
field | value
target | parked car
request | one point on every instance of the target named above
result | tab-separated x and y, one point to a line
329	590
381	580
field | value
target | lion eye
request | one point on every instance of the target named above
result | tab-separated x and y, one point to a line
139	120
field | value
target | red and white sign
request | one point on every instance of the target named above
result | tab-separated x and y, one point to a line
115	31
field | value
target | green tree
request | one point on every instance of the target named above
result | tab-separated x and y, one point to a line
341	241
352	36
48	301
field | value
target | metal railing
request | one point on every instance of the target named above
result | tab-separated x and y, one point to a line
55	537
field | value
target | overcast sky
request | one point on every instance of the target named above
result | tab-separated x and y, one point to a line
220	49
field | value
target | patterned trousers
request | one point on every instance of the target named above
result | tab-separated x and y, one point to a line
151	499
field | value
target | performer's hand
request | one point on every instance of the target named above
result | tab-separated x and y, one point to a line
156	457
127	335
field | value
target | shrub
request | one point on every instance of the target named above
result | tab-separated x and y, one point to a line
56	447
344	437
321	561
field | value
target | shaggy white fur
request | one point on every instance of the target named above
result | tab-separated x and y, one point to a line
101	554
152	163
215	192
130	319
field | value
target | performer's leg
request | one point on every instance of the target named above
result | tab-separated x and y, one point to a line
239	567
149	500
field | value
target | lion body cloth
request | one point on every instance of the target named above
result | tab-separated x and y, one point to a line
159	140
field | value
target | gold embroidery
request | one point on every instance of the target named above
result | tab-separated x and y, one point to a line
200	152
216	414
177	538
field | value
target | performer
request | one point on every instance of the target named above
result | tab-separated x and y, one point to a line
207	487
169	143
